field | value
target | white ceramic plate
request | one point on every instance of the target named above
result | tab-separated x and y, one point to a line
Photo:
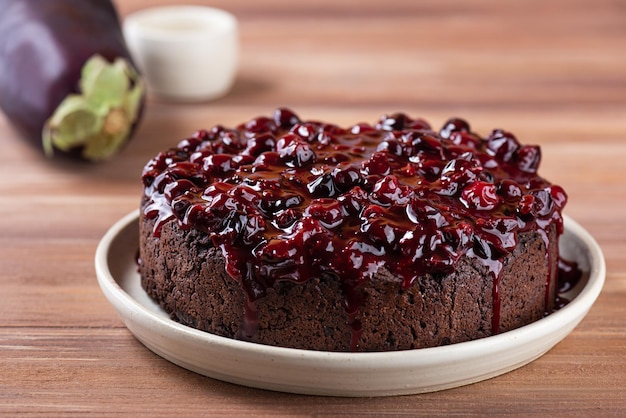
338	374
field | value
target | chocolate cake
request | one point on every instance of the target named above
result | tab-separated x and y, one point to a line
379	237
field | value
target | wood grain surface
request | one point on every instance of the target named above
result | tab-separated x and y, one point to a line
552	72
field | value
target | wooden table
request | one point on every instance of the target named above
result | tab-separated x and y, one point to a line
552	72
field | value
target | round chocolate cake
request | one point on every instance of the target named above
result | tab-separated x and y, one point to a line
390	236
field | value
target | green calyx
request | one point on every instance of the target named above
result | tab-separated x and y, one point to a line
101	117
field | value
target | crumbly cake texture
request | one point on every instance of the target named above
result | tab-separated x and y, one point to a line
377	237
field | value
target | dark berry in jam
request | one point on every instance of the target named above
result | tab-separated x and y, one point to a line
502	144
295	151
285	118
454	125
480	196
393	122
527	158
290	199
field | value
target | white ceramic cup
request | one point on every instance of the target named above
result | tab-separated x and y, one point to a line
186	53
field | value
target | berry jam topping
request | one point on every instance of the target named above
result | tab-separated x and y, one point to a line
286	199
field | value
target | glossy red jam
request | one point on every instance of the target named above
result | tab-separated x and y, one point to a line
287	199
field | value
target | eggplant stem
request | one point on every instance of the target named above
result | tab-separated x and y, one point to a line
115	122
99	119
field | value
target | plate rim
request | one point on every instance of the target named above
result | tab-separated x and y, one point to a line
325	360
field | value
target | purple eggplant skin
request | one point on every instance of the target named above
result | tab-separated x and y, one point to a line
43	48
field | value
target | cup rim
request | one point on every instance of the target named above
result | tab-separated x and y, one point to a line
209	22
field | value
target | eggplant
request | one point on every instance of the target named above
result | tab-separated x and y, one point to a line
67	80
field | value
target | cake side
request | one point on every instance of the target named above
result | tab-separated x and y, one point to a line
184	273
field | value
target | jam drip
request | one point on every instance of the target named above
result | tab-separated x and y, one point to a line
569	274
287	199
